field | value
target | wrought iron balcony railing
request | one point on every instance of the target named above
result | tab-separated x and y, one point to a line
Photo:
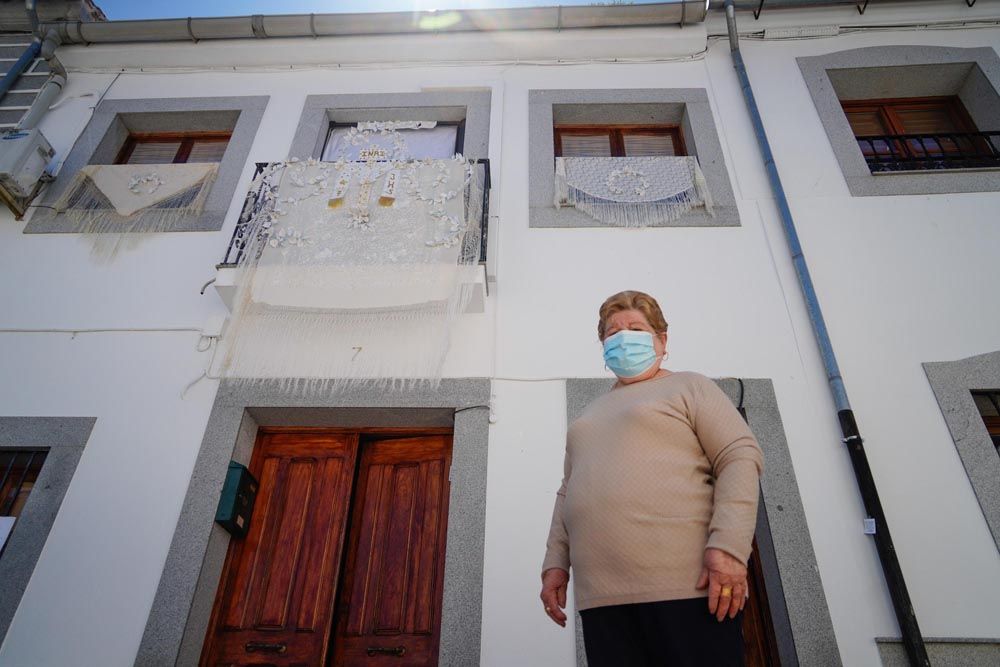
945	150
246	229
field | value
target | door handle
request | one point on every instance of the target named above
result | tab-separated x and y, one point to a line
398	651
264	647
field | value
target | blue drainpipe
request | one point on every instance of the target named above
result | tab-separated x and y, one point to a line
907	619
18	68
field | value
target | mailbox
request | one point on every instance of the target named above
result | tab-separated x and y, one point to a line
236	503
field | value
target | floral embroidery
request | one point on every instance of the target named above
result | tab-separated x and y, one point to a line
627	180
145	183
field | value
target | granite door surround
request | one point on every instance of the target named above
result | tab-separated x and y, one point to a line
179	618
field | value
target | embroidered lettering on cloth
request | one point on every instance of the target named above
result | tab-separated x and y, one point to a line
357	271
116	200
632	191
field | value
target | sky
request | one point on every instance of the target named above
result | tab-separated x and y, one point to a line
119	10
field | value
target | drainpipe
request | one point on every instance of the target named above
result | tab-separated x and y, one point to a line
30	6
912	639
52	87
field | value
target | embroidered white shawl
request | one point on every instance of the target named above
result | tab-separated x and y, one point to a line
358	272
112	202
632	191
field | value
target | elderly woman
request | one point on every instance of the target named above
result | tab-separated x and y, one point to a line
657	507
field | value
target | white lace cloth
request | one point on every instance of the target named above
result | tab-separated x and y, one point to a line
110	203
359	273
330	258
129	188
631	191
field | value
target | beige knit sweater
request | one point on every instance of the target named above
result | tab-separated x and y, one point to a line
655	472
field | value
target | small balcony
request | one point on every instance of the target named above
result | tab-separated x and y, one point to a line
248	227
924	152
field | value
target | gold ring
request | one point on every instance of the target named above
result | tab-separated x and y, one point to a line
727	591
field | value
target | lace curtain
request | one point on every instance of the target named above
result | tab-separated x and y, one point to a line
631	191
357	270
112	201
423	139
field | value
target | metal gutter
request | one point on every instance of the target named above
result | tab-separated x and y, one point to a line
384	23
31	9
913	641
757	5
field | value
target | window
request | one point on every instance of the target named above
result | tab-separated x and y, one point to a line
20	470
918	133
175	148
968	393
425	140
59	443
618	140
988	403
619	123
206	130
890	79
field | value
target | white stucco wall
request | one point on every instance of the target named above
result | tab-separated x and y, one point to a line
902	280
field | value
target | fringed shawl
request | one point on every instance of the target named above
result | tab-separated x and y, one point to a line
112	201
632	191
356	273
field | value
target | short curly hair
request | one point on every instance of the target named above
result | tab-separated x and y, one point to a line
631	300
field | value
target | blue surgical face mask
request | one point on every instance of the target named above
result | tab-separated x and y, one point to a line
629	353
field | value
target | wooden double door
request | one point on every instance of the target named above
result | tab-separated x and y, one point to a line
344	561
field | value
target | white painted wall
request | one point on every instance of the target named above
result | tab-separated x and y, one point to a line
903	280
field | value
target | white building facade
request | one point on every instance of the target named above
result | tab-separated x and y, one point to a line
109	367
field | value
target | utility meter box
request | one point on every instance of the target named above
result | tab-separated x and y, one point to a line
24	155
236	504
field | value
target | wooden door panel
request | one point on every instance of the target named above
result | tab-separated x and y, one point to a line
278	584
393	580
759	644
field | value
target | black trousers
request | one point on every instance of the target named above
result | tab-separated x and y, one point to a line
677	633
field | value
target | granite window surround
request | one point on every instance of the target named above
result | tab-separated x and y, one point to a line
687	107
319	111
182	606
803	627
953	383
114	119
876	72
64	438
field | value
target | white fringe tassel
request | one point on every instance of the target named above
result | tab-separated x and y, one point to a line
95	216
626	214
634	214
309	351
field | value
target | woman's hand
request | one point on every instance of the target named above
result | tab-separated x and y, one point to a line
726	579
553	595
